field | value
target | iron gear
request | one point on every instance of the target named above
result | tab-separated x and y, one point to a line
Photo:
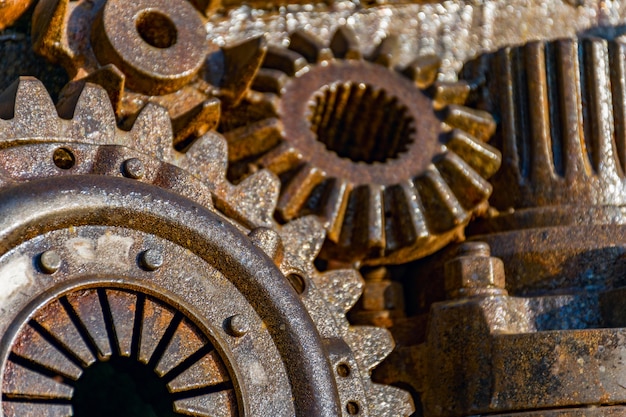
117	258
390	159
147	51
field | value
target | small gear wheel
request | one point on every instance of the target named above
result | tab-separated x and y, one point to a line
147	50
389	159
124	289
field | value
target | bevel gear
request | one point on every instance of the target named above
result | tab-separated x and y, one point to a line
147	51
112	258
390	159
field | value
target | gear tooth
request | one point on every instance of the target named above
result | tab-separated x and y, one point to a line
304	229
285	60
600	108
256	197
371	345
482	157
386	53
93	119
112	80
423	70
537	84
477	123
345	44
441	208
388	401
269	80
574	156
415	210
195	122
206	158
309	46
445	93
335	207
253	139
363	224
241	64
341	287
376	218
296	192
469	187
152	131
618	84
402	227
30	107
281	159
269	241
49	23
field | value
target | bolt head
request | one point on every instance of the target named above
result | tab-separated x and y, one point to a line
49	262
133	168
237	325
151	259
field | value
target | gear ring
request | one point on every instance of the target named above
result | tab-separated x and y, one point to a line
147	51
391	190
79	181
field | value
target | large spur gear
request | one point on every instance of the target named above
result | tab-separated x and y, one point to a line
147	51
390	159
115	265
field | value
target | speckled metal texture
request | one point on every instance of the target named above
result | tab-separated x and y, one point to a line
94	226
387	157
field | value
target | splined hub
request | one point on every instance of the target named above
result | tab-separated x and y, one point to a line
388	158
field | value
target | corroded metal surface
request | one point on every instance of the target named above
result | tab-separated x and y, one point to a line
149	51
101	234
345	101
398	187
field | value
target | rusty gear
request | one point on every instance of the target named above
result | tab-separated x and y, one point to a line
148	50
562	129
115	256
394	173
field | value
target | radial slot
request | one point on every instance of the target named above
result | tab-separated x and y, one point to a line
182	368
361	122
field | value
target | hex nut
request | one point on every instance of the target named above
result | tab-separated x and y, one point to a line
473	272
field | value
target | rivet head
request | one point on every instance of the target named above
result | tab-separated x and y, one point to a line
49	262
237	325
151	259
133	168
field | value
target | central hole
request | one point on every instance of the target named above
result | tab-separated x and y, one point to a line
121	387
360	122
156	29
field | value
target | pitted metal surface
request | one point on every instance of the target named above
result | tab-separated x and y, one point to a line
107	232
395	189
99	229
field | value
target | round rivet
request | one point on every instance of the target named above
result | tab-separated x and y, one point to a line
237	325
151	259
49	262
133	168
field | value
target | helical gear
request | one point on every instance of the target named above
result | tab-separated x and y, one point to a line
222	304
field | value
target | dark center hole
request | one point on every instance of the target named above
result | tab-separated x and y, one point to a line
360	122
121	387
156	29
